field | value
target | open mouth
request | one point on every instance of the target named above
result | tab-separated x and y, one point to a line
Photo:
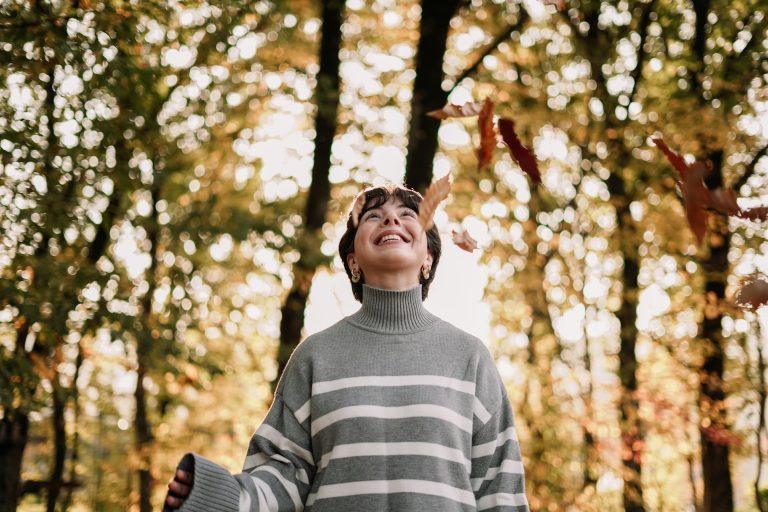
390	238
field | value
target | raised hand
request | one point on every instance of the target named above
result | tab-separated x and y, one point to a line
178	489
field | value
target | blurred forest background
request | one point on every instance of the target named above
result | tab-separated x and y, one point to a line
175	174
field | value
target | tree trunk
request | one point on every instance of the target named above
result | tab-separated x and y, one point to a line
762	394
541	405
632	430
716	472
428	93
60	443
143	436
14	429
590	453
310	257
718	489
75	457
144	341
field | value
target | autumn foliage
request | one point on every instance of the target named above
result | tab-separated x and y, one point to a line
699	200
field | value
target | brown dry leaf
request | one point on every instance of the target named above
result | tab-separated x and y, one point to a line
696	195
753	293
471	108
357	208
757	213
676	160
695	198
487	135
434	195
522	155
723	200
464	241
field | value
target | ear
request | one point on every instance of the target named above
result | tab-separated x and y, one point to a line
428	259
351	262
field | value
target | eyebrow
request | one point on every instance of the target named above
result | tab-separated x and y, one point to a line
372	208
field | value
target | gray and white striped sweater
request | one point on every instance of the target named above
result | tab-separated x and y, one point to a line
389	409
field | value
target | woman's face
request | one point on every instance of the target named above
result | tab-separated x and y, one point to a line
390	244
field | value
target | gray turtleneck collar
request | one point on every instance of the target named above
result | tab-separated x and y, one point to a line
392	311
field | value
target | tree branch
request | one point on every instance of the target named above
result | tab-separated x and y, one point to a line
491	48
749	170
645	22
754	39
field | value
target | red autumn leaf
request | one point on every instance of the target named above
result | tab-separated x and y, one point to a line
723	200
522	155
471	108
757	213
434	195
676	160
487	135
464	240
696	198
753	293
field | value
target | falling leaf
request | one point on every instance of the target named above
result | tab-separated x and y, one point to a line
357	208
522	155
487	135
753	293
676	160
695	198
464	241
757	213
435	194
471	108
723	200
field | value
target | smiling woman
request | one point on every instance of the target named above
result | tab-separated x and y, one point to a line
390	408
385	245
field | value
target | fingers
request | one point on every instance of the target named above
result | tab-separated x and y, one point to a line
178	489
184	477
173	502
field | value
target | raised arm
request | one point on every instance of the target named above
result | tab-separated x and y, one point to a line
278	469
277	473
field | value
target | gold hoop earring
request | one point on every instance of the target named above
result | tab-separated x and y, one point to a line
355	275
425	272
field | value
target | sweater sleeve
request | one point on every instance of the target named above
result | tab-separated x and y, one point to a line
277	473
497	469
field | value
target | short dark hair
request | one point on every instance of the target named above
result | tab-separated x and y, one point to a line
375	197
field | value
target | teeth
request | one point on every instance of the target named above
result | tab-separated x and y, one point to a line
387	238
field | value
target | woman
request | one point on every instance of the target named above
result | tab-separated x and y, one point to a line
389	409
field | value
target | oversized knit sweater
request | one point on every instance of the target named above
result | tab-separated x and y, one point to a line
389	409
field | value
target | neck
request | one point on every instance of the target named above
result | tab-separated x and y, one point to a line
395	281
392	311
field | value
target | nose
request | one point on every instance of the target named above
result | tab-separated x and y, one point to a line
391	218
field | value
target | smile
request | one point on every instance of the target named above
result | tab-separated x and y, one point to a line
391	237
